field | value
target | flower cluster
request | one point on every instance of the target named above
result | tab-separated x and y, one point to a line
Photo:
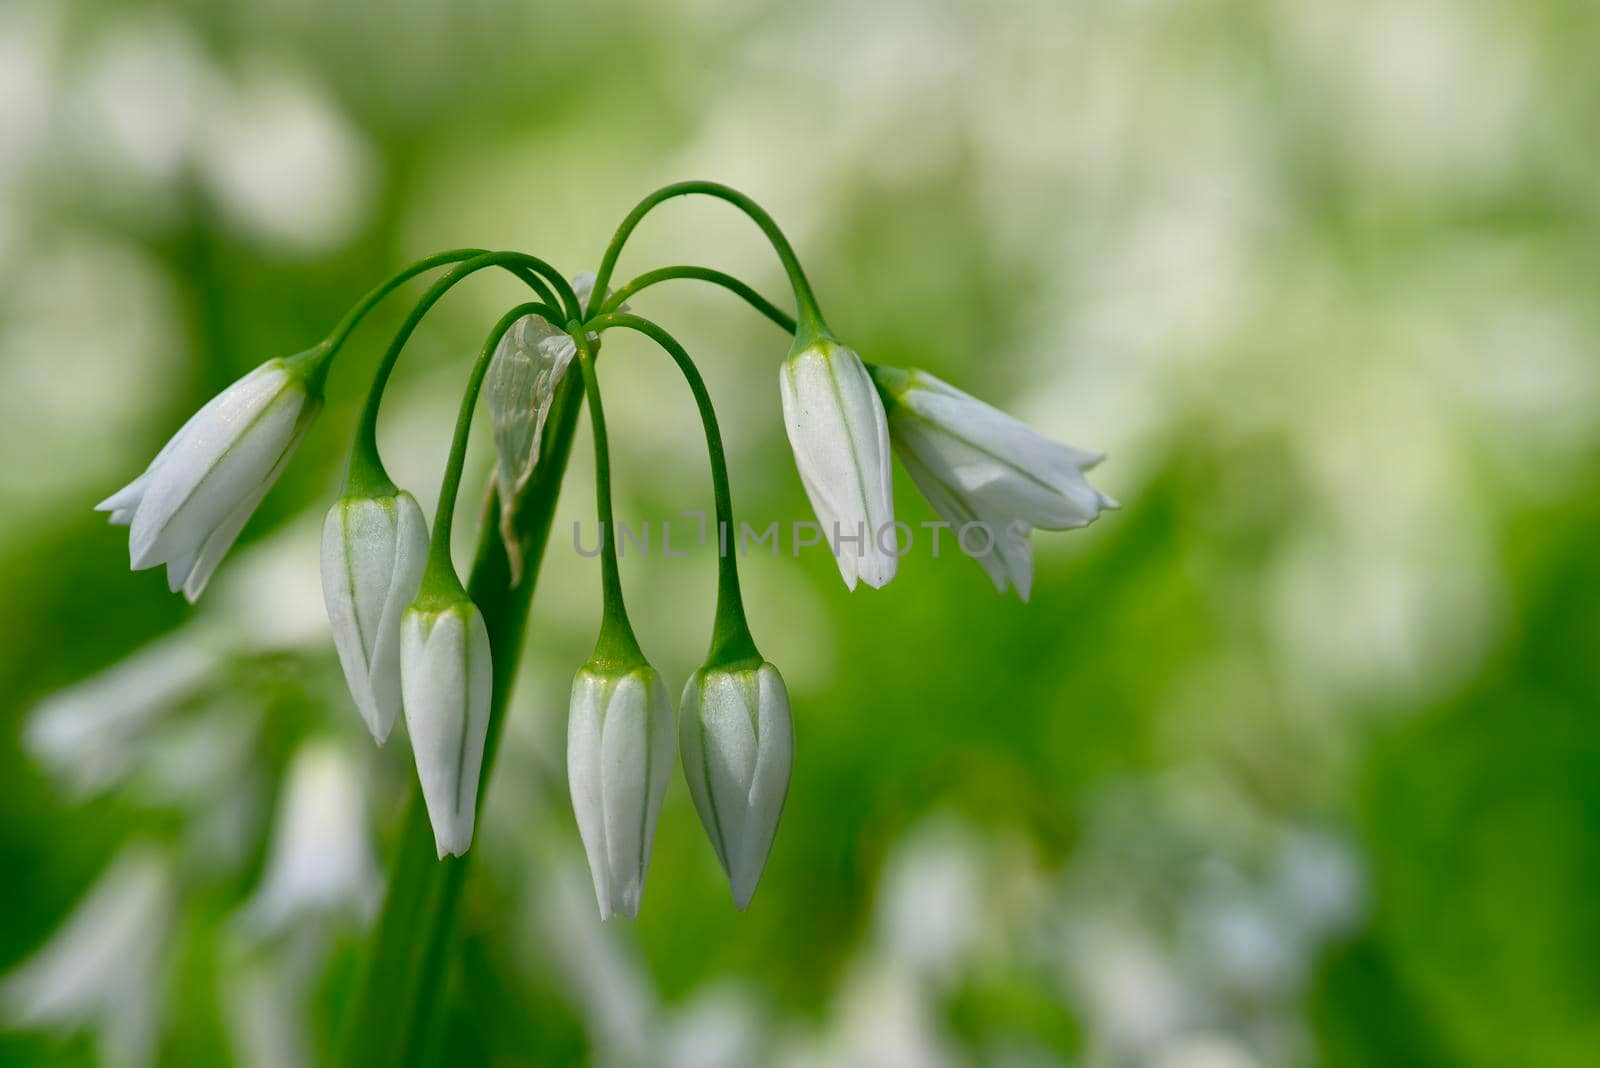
415	644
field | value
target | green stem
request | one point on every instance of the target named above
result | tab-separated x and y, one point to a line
703	274
810	318
617	647
367	476
399	1002
352	319
731	642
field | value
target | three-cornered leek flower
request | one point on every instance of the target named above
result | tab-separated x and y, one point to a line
986	473
373	553
840	439
446	680
188	507
737	744
620	749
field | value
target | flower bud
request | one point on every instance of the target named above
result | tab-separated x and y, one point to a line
446	680
373	553
737	742
619	755
188	507
840	439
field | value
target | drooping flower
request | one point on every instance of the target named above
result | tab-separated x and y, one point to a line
104	968
320	862
737	741
620	749
188	507
840	438
373	553
986	473
447	680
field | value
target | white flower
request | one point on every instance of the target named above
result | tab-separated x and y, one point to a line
373	553
189	505
321	860
447	682
620	750
841	446
987	473
737	741
103	969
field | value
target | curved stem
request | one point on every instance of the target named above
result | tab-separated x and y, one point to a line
367	475
440	575
616	647
730	637
702	274
810	318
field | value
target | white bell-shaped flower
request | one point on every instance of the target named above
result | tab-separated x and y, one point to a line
374	550
320	863
737	742
990	476
102	969
447	682
620	749
840	438
188	507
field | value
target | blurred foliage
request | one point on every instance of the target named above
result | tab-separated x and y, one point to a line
1319	278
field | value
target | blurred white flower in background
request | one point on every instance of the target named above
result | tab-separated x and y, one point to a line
142	94
284	164
104	968
86	736
931	900
321	862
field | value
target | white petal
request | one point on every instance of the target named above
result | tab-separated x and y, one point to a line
768	788
123	503
373	554
585	721
624	755
728	724
446	681
737	740
840	438
214	463
620	749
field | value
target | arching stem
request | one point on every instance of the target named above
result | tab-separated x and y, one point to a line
810	322
367	476
731	642
703	274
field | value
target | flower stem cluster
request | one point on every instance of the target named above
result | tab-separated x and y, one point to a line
414	645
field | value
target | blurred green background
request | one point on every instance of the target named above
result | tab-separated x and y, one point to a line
1293	761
